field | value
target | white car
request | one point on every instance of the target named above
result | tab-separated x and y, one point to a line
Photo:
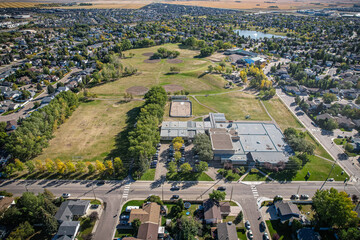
66	195
250	234
247	225
266	237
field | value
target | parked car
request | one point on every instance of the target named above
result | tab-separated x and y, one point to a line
94	206
125	217
221	188
262	226
124	222
304	196
247	225
175	197
101	182
294	196
266	237
66	195
175	188
250	234
340	136
330	179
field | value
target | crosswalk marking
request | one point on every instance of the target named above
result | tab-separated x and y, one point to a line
126	191
254	191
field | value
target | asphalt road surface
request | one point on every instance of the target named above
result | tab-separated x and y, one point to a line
115	193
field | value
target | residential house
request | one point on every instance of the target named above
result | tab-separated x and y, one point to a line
323	117
71	208
345	122
47	100
308	234
213	210
148	231
6	202
287	211
292	89
67	230
13	106
226	231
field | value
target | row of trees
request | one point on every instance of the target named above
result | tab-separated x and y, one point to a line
145	136
202	146
28	140
107	168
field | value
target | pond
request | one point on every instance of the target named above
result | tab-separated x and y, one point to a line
256	34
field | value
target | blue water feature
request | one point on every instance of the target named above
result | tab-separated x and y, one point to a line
256	34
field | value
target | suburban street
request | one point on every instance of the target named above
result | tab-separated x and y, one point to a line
28	107
115	193
325	138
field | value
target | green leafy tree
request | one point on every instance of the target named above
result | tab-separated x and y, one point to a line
50	89
334	209
30	166
70	167
91	168
80	166
172	167
177	156
186	168
135	225
118	166
23	231
188	228
239	218
217	195
350	234
20	166
202	166
202	146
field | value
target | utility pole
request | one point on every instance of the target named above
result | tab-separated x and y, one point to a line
162	192
332	167
232	188
298	189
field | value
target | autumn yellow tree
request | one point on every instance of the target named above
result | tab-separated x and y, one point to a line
50	165
80	166
19	165
39	165
60	166
109	167
100	167
70	166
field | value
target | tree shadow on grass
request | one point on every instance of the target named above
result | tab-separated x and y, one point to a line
122	139
284	176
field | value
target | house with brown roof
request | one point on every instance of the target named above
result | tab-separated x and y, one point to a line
214	211
6	202
150	212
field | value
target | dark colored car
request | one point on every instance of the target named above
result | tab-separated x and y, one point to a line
262	226
175	188
175	197
221	188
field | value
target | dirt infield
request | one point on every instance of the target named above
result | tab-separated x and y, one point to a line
180	109
137	90
151	60
173	88
175	60
148	54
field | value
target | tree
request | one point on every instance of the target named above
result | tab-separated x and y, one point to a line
172	167
297	99
206	51
350	234
177	156
177	146
135	225
39	165
210	68
349	147
188	228
60	166
294	164
70	167
30	166
202	146
329	97
100	167
10	169
109	167
91	168
19	165
118	166
217	195
23	231
186	168
50	89
50	165
239	218
80	166
333	208
202	166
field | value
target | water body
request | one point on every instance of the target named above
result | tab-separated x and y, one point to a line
256	34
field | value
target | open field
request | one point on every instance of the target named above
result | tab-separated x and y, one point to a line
17	4
150	74
89	134
236	106
283	117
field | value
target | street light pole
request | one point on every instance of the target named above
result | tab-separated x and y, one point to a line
92	185
332	167
232	188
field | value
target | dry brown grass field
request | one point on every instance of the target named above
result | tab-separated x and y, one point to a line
17	4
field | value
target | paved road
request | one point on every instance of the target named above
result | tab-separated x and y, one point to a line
114	194
29	107
324	137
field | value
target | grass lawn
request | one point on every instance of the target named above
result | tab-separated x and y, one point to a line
192	209
132	203
241	233
149	175
191	76
199	110
255	177
275	226
340	141
236	106
123	233
90	133
305	209
282	115
319	150
86	227
95	202
318	168
188	177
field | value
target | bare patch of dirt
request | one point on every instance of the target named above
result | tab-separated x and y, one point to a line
173	88
137	90
174	60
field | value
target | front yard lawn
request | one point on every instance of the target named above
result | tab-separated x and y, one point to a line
124	233
132	203
255	177
277	228
86	227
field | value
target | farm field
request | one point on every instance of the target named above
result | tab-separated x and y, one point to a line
236	106
90	133
156	73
